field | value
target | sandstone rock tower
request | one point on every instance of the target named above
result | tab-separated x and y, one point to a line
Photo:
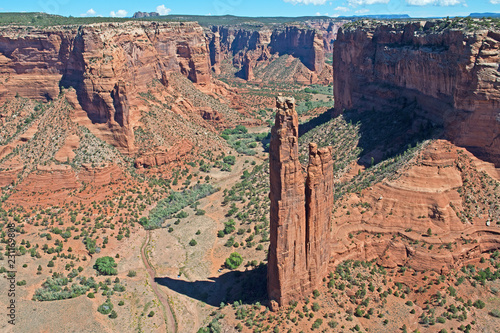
300	210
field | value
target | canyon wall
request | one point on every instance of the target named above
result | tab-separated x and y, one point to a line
248	47
107	64
300	211
328	30
451	75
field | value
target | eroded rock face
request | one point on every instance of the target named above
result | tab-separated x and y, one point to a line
176	154
287	274
451	75
300	211
319	203
250	47
107	64
328	29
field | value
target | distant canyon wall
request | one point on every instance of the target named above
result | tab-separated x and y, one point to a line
453	77
107	64
248	46
110	64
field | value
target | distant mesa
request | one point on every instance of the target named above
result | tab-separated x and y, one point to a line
481	15
145	14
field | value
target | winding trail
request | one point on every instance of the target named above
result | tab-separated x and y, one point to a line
168	315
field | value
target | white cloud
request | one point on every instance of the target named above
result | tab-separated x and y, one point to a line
366	2
162	10
89	12
362	11
344	9
119	13
437	2
495	2
307	2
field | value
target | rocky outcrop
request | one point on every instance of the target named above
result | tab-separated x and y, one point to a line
428	194
107	64
451	75
176	153
319	203
56	183
300	211
250	47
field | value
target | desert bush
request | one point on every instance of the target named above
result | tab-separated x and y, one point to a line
106	266
234	261
106	307
230	159
495	313
479	304
56	288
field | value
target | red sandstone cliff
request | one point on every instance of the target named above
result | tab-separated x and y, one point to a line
108	65
251	47
450	74
328	30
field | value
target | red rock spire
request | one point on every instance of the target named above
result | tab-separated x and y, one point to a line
300	211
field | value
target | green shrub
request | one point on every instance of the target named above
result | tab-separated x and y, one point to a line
229	227
119	287
182	214
106	266
143	221
234	261
230	159
495	313
317	323
479	304
131	273
192	242
56	288
315	307
106	307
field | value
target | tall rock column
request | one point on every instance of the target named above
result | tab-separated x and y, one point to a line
299	252
319	203
287	276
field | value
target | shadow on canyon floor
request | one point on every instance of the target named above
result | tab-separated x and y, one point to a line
248	287
382	135
315	122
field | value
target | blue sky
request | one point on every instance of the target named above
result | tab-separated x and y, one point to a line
126	8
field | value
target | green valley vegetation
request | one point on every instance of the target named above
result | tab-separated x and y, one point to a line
174	203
